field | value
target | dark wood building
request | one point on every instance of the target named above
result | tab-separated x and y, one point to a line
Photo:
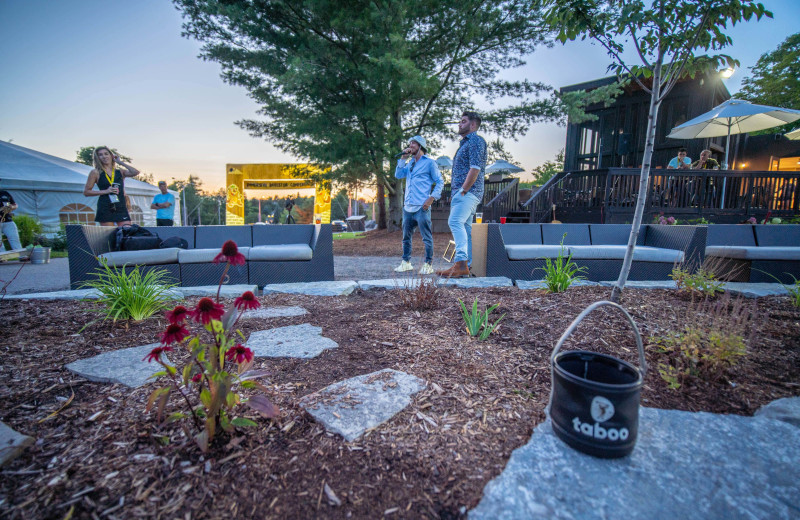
617	137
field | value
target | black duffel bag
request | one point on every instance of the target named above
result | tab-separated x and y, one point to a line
174	242
135	238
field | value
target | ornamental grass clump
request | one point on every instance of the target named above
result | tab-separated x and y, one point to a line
478	322
130	295
208	385
562	272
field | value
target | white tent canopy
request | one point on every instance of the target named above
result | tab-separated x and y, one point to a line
51	189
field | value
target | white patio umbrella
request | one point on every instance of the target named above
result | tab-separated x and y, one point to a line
504	166
734	117
444	163
794	134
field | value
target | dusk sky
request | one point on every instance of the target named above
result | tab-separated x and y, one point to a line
85	72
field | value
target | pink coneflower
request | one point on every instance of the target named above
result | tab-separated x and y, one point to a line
239	353
155	354
247	301
230	253
177	315
206	311
197	378
174	334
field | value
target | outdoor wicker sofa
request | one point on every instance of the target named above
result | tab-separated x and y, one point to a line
274	254
518	251
761	253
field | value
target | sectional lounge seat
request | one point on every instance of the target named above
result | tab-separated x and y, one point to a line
518	251
749	253
274	254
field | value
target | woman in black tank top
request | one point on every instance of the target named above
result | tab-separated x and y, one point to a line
111	207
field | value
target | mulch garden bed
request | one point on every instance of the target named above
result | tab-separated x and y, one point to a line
380	242
98	455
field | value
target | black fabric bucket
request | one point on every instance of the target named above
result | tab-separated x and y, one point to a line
594	398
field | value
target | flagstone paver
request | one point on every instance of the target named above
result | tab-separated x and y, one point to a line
540	284
755	290
12	444
226	291
390	283
124	366
685	465
484	281
353	406
786	410
296	341
78	294
335	288
643	284
273	312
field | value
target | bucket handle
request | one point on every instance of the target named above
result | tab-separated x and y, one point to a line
590	308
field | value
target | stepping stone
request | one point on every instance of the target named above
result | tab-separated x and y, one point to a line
390	283
273	312
644	284
330	288
755	290
124	366
227	291
484	281
12	444
786	410
355	405
539	284
685	465
295	341
78	294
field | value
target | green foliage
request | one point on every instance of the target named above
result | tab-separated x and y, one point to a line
84	156
131	295
713	337
775	79
562	272
28	228
346	84
544	172
339	205
477	322
702	280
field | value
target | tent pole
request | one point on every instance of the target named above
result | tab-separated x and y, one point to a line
725	165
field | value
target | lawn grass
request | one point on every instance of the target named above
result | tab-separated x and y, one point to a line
347	235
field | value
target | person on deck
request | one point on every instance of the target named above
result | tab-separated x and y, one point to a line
112	209
422	175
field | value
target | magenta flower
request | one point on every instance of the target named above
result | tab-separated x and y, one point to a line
177	315
206	311
247	301
155	354
197	378
239	353
174	334
230	253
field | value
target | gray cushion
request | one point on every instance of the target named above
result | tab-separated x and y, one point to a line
281	252
754	253
203	256
532	252
147	257
577	234
641	253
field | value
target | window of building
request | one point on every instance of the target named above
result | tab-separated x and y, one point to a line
76	214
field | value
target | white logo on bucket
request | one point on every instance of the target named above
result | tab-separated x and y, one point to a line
602	410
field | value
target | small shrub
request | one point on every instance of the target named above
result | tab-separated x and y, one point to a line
713	339
477	322
130	295
28	228
702	280
562	272
420	293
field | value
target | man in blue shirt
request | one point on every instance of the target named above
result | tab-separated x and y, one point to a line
164	204
466	190
421	174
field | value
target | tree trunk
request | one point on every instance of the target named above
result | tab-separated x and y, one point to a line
381	220
644	181
396	205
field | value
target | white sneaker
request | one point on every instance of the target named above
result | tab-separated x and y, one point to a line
403	267
426	269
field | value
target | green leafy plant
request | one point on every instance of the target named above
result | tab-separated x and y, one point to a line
28	227
562	272
703	279
713	338
217	368
130	295
477	322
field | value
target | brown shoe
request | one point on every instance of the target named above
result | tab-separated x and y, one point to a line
458	270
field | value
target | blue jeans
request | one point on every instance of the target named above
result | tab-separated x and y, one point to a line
462	209
422	219
9	229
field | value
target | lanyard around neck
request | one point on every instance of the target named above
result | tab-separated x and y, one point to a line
110	178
